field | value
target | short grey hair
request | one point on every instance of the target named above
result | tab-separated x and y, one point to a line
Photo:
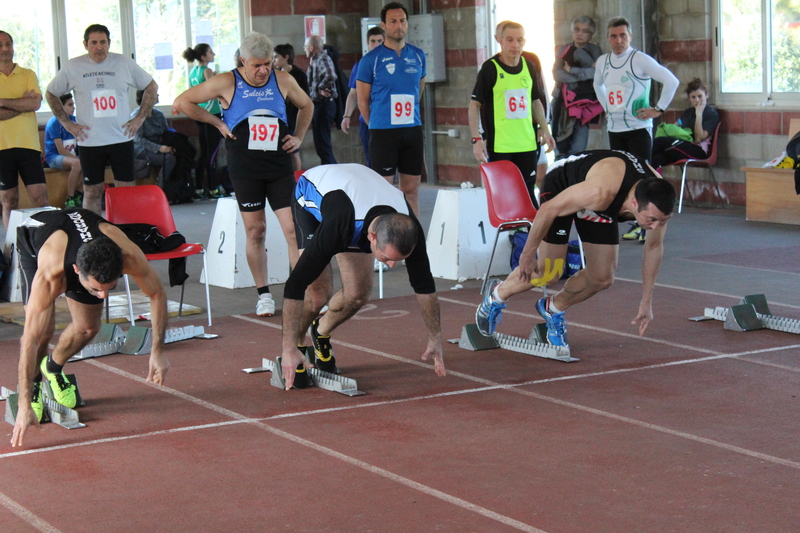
584	19
504	25
256	46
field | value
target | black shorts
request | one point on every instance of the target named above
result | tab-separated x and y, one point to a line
591	227
29	264
23	162
251	193
305	225
396	149
95	158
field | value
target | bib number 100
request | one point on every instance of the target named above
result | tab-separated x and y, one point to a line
104	102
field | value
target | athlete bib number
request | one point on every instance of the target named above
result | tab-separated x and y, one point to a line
263	133
104	102
616	98
402	109
516	103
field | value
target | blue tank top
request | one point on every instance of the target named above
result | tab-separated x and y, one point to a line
249	100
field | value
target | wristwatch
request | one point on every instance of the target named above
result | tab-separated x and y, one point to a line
475	139
658	109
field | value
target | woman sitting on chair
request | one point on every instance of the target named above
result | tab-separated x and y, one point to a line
699	123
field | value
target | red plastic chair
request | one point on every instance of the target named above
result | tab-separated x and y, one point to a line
705	163
147	204
509	202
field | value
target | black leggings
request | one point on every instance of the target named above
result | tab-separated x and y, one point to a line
209	137
667	150
636	142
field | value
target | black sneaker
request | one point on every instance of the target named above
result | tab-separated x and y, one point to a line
302	379
323	352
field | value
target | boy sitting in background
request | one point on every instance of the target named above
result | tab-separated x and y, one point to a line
59	152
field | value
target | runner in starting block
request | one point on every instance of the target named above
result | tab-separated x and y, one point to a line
79	254
595	189
350	212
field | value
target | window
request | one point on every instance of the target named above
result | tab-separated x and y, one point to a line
48	32
757	43
30	25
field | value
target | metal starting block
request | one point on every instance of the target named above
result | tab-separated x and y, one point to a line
108	341
536	345
752	314
53	411
137	341
323	380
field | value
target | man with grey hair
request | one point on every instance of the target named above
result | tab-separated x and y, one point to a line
574	102
322	84
350	213
255	128
507	104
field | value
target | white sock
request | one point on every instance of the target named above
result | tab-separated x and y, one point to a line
496	295
552	308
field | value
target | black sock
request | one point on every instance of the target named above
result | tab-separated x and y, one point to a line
263	290
52	366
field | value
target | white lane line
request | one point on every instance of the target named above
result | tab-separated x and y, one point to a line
767	363
121	438
662	429
27	516
464	504
488	513
516	388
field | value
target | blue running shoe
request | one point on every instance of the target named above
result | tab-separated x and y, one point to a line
556	323
489	313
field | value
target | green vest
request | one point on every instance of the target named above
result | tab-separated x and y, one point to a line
196	77
513	125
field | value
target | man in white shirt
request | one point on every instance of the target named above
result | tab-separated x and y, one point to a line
622	84
101	82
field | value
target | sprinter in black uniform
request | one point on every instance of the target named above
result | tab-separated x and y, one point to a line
79	254
595	190
349	212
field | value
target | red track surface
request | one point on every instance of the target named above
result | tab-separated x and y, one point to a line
692	429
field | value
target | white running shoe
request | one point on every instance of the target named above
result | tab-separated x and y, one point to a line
265	305
378	266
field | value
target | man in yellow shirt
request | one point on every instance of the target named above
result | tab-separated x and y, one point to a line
20	150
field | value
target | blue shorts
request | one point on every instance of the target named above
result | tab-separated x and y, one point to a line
56	162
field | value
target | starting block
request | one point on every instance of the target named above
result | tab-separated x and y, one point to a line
752	314
108	341
320	379
137	341
536	344
53	411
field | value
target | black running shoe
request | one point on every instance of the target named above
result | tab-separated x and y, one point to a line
323	352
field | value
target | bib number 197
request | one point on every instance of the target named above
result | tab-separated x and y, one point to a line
263	133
